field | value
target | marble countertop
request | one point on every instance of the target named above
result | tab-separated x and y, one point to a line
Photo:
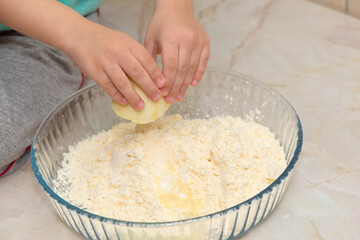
311	55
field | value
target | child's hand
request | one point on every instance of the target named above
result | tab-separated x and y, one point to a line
107	56
103	54
184	45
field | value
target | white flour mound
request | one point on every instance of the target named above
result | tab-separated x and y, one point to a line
170	169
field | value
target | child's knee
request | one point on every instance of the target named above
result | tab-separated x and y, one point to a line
14	133
8	168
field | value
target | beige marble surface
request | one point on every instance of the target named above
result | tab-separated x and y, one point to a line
308	53
351	7
339	5
354	8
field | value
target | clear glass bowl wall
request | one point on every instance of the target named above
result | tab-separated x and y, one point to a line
88	112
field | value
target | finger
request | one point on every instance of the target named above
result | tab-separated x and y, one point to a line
184	59
139	75
149	65
194	62
170	61
105	82
123	85
204	58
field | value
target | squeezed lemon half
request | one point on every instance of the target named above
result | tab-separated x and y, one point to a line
150	112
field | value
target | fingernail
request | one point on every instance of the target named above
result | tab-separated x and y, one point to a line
194	82
140	105
123	101
179	97
164	92
170	100
160	82
156	96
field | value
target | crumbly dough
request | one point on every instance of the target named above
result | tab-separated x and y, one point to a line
170	169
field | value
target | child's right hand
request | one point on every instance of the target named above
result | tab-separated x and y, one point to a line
107	56
103	54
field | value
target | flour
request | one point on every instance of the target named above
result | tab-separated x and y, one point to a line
170	169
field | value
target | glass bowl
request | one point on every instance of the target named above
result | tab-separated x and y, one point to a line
88	112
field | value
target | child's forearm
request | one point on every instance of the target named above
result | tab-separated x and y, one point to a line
174	7
48	21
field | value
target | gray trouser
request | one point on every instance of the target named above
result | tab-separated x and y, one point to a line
34	78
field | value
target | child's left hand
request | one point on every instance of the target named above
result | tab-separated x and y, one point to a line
183	43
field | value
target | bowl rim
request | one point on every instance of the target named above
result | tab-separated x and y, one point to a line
249	201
